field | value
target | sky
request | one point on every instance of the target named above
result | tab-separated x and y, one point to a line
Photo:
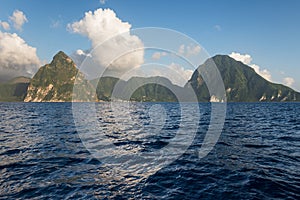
263	34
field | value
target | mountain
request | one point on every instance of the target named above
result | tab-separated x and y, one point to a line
151	89
14	90
242	83
54	82
105	86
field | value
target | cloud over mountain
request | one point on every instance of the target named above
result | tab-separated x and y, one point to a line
247	60
289	81
181	75
102	27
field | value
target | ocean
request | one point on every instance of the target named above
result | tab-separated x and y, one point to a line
45	153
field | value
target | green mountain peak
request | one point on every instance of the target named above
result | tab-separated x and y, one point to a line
61	60
55	81
242	83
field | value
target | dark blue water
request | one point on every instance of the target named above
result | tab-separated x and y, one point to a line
256	157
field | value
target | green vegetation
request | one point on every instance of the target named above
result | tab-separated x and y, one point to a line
55	82
242	84
105	87
152	89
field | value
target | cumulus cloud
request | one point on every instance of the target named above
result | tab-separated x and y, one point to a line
247	60
158	55
18	18
4	25
182	75
177	74
79	56
82	53
244	58
289	81
102	27
263	72
189	50
17	58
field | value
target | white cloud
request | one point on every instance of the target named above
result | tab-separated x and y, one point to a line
289	81
181	75
158	55
18	19
103	24
217	27
193	50
103	2
247	60
17	58
189	50
82	53
263	72
79	56
174	72
4	25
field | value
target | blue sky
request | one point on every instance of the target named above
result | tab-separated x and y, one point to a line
269	31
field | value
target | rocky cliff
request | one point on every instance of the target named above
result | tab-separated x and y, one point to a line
54	82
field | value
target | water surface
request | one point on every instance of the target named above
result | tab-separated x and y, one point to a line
256	157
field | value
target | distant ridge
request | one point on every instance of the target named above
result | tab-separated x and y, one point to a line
153	89
20	79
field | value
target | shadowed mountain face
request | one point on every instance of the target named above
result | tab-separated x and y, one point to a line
14	90
242	83
54	82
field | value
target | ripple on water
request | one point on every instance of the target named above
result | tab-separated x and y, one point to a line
257	155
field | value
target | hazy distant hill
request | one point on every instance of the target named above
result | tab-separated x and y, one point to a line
105	86
14	90
242	83
151	89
